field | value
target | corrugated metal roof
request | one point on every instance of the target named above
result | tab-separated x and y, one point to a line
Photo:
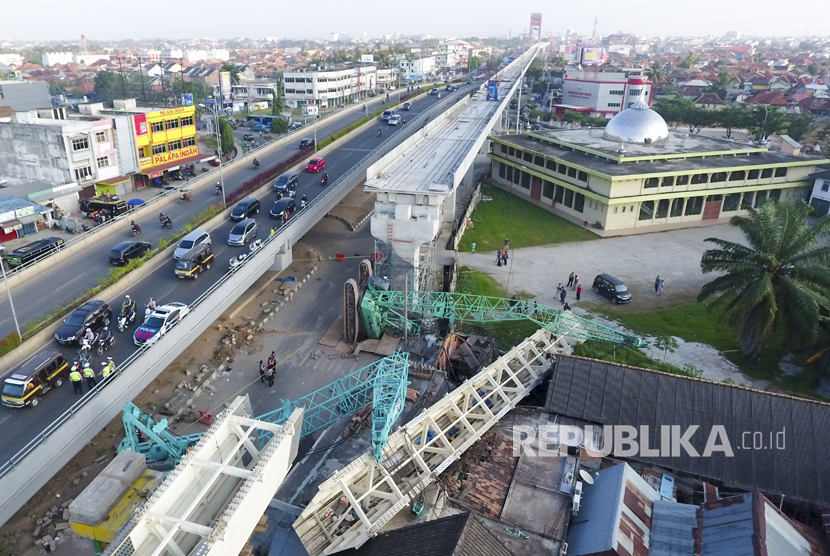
601	392
618	499
671	529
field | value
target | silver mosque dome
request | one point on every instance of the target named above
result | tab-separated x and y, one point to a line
637	124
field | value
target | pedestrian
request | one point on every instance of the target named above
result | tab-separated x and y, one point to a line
270	376
89	375
498	258
576	281
578	292
262	371
272	360
562	295
657	284
504	257
570	280
660	287
559	290
473	248
76	379
506	243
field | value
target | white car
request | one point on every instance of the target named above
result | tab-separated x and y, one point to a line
160	322
394	120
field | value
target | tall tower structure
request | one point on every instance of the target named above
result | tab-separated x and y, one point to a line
596	19
83	54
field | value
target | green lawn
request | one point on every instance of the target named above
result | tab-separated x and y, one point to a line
507	334
508	216
694	322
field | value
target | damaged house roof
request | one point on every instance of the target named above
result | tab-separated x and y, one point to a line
791	455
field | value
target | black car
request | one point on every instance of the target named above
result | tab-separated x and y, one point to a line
281	206
126	250
286	184
407	106
612	288
247	137
306	143
94	314
245	209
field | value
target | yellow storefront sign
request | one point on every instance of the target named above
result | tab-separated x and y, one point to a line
174	156
171	112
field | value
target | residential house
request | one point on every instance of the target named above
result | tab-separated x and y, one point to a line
820	195
710	101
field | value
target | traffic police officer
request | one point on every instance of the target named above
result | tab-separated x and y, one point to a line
76	378
109	367
89	375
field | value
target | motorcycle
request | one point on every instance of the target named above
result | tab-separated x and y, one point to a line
256	163
324	180
125	320
255	246
81	361
218	189
86	346
104	343
236	261
205	169
135	230
167	223
303	204
85	228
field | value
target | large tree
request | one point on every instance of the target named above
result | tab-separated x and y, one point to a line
778	282
731	118
657	71
226	133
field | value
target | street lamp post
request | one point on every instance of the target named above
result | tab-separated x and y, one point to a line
219	149
9	292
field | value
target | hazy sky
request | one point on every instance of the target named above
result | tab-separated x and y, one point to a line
59	20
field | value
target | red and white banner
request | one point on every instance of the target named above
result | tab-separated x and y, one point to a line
140	121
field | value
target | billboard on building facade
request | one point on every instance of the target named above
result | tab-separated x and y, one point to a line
225	84
535	27
593	56
140	122
367	58
187	99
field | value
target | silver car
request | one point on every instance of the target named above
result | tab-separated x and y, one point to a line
242	232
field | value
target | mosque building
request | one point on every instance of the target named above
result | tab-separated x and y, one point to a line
635	175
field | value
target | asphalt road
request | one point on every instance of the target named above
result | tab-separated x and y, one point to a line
69	279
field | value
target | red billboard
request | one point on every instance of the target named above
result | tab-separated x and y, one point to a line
140	122
535	27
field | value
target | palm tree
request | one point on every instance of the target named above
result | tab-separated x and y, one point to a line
778	282
657	72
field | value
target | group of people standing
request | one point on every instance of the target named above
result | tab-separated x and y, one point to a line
501	255
573	284
267	373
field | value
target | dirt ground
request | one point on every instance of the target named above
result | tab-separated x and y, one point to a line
15	535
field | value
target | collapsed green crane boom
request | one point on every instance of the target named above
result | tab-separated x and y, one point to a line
397	309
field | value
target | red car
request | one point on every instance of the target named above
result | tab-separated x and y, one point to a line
315	165
214	162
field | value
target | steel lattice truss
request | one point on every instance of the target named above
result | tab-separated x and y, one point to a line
383	309
385	377
355	503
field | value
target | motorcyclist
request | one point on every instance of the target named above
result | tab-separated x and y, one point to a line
303	201
380	131
106	335
256	162
135	227
165	220
128	307
89	336
325	177
218	187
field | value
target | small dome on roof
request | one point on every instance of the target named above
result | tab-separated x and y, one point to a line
637	124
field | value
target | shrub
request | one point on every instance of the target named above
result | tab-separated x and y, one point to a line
9	343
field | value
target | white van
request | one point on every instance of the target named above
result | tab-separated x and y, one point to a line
191	240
